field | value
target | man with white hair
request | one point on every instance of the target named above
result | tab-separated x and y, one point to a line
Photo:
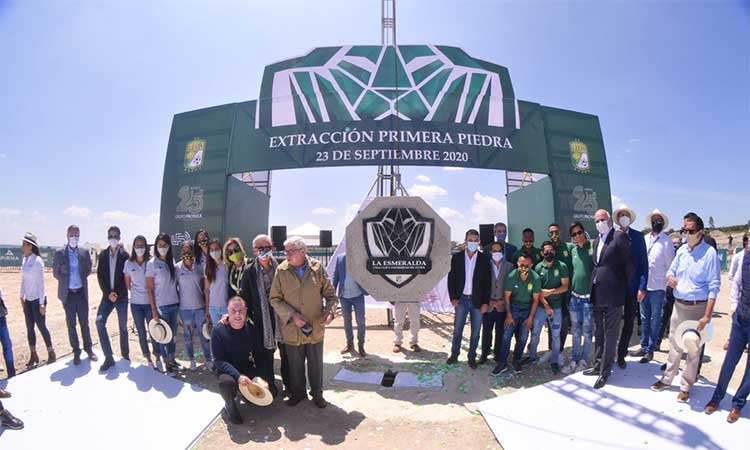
305	300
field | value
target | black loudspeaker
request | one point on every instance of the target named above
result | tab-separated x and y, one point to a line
326	238
278	236
486	234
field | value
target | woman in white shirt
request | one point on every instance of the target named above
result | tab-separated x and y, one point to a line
216	282
135	280
33	300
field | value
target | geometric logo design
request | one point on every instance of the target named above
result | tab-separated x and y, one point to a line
579	156
194	151
429	83
398	243
178	238
586	203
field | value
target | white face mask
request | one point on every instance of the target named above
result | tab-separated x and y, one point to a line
163	250
215	254
140	251
497	256
624	221
73	242
602	227
114	243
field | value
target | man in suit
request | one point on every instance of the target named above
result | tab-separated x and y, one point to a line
501	236
351	296
494	318
469	282
71	268
613	267
109	273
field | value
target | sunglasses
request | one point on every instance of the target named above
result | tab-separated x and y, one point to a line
232	251
265	248
690	232
577	233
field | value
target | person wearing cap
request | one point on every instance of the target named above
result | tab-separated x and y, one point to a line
695	276
234	349
528	247
636	290
660	253
305	300
581	308
501	236
5	339
109	273
256	291
71	268
494	318
613	268
7	419
190	280
161	285
134	272
33	300
739	338
352	297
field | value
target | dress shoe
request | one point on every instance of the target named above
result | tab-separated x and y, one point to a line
621	363
362	352
500	368
592	372
397	348
51	357
472	363
92	356
233	413
482	359
108	362
319	401
734	415
33	360
647	358
711	407
8	420
348	349
415	348
600	382
659	386
4	393
452	360
76	359
638	353
294	400
683	396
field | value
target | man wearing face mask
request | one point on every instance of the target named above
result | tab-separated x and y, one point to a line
613	268
660	255
494	318
109	273
528	247
71	268
501	236
695	276
636	290
469	282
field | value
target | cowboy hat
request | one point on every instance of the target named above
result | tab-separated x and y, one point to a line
206	329
31	239
626	209
257	392
689	338
160	331
656	212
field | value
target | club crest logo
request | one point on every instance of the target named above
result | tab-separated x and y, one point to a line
398	242
194	151
579	156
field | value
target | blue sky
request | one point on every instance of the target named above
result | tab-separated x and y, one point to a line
88	91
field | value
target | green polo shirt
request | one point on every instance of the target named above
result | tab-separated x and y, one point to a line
522	292
583	265
563	253
551	278
536	256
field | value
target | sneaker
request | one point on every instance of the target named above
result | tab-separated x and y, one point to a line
500	368
555	368
581	366
516	367
569	368
193	367
638	353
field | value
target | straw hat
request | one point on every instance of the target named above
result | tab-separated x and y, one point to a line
689	338
160	331
206	329
626	209
656	212
257	392
30	238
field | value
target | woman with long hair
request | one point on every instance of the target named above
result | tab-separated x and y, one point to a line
140	306
234	252
192	303
161	286
216	284
201	246
33	300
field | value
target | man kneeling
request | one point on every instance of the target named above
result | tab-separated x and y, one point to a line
232	347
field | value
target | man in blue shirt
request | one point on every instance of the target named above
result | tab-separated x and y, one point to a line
695	278
351	295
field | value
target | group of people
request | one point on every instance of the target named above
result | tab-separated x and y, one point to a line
592	290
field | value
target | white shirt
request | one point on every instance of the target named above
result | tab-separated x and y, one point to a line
469	264
32	279
735	285
660	253
600	247
733	267
137	274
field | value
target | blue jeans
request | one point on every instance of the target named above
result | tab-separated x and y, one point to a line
581	321
7	347
521	333
651	309
358	303
492	320
141	317
216	312
739	337
102	314
170	314
466	307
540	318
192	321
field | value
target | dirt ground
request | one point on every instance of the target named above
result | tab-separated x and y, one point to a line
359	416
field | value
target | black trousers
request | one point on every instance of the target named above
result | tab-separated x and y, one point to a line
607	319
631	311
77	308
493	321
228	386
33	316
311	356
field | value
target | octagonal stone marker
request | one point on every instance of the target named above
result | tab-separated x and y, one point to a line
398	248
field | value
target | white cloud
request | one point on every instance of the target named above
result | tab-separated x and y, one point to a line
633	141
427	191
616	202
486	209
77	212
453	169
322	211
3	155
450	214
7	213
422	178
117	216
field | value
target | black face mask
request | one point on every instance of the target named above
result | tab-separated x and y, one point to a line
657	225
549	257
